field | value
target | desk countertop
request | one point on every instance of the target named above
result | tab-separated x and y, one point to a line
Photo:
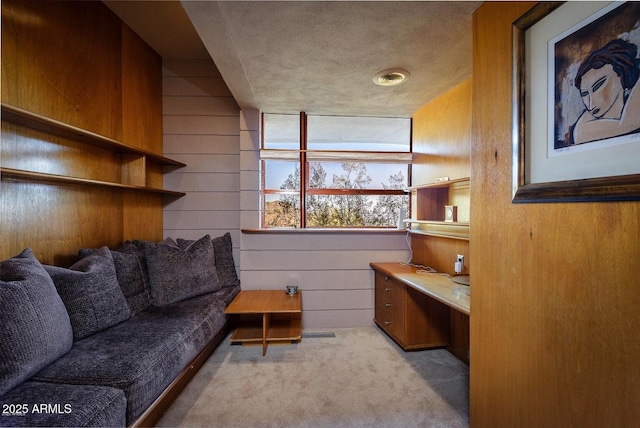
436	285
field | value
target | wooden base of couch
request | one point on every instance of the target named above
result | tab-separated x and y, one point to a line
153	414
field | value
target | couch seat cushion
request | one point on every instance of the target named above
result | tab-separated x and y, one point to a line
43	404
144	354
34	325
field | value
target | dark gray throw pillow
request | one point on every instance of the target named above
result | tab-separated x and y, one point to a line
34	325
225	265
131	278
179	273
137	247
91	293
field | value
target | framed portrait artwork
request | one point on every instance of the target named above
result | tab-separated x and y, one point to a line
576	102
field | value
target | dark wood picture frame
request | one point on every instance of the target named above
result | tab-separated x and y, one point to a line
610	188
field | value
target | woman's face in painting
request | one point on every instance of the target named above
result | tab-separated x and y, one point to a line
602	92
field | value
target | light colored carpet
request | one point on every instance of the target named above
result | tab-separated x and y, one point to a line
359	378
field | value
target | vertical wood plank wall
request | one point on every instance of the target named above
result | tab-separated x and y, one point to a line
76	62
201	129
555	319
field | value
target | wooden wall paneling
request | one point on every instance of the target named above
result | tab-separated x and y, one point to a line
62	60
31	150
459	195
142	216
65	61
154	175
57	221
440	253
459	336
141	93
441	143
555	297
429	204
133	169
427	320
142	128
442	136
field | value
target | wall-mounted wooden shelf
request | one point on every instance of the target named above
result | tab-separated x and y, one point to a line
18	174
453	230
430	200
34	121
134	163
442	184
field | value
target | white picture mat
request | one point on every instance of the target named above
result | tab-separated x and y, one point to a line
622	159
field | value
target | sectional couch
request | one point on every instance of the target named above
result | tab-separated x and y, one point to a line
110	340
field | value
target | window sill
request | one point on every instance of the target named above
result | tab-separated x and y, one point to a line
327	230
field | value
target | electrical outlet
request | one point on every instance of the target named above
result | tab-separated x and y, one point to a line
458	267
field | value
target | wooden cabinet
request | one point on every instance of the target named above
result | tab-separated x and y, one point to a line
389	306
428	214
412	319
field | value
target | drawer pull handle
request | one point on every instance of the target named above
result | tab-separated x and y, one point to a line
388	322
388	305
387	289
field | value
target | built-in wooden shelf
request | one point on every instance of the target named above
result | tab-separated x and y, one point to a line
431	199
41	123
30	120
453	230
54	178
441	184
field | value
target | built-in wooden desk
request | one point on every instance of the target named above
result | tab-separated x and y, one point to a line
421	310
435	285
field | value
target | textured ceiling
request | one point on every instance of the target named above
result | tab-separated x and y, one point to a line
317	56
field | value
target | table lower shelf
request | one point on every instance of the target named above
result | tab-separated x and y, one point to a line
279	330
268	328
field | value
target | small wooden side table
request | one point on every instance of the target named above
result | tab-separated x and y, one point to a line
266	316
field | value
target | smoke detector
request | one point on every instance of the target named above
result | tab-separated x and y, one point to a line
391	77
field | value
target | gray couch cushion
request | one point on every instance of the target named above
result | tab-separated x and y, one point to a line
131	278
225	265
91	293
67	406
176	274
34	325
144	353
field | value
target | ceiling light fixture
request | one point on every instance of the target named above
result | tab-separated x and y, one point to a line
391	77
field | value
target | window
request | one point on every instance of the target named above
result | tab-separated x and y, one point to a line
333	171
